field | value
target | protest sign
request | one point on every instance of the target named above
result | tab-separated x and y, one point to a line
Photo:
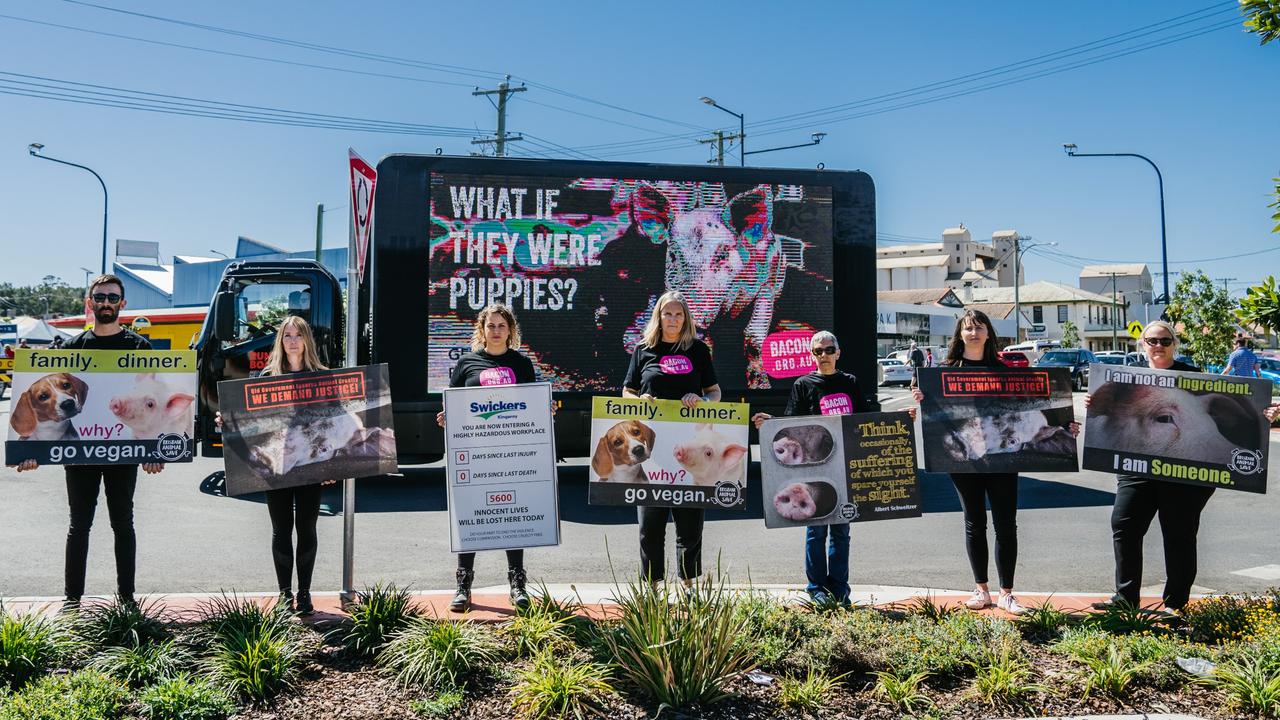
821	470
282	431
661	453
501	466
1192	428
102	407
997	420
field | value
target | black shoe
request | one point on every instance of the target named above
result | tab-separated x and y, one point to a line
519	595
304	606
285	601
462	598
127	601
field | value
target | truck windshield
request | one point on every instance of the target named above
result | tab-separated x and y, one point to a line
1059	357
261	307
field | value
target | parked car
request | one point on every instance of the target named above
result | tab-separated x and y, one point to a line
1108	353
1116	359
894	371
1077	359
1014	358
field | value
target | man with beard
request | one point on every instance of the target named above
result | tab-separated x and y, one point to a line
103	300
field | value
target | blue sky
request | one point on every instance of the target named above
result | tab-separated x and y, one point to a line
1205	109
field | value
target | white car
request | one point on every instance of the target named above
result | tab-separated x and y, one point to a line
1102	353
893	371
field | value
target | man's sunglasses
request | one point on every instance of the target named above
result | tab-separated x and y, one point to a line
1161	341
829	350
112	298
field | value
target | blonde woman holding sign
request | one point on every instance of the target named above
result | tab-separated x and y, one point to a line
671	363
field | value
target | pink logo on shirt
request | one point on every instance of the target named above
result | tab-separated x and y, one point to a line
676	365
836	404
498	376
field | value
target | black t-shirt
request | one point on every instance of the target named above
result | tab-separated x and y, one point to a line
481	368
1179	365
818	394
126	339
917	358
670	374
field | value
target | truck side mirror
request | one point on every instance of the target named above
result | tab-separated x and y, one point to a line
224	316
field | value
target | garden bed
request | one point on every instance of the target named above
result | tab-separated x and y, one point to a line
719	655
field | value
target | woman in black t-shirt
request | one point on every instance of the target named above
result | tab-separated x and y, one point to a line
671	363
492	361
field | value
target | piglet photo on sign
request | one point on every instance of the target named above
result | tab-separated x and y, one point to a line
102	407
821	470
1186	427
980	419
303	428
661	453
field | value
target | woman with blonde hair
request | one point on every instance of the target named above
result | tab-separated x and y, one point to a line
297	507
493	360
671	363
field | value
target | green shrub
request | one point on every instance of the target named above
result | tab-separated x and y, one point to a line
772	632
257	662
553	688
1123	618
123	624
903	691
140	666
1083	641
437	654
1004	679
680	653
442	705
1043	622
1157	656
30	644
1227	618
1250	685
378	613
808	693
1110	673
182	697
85	695
231	618
536	629
929	609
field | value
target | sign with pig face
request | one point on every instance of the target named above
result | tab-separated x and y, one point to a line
305	428
1192	428
660	453
997	420
102	407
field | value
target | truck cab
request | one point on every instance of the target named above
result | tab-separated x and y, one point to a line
252	298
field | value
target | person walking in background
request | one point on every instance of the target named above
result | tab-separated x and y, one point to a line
915	357
103	302
1242	362
493	360
671	363
1139	500
928	358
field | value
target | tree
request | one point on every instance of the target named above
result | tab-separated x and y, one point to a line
1276	216
1206	312
1070	335
1261	306
1262	18
51	295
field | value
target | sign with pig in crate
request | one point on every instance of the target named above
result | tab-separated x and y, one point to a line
102	407
307	427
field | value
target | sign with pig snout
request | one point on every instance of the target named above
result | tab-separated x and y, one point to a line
305	428
1184	427
661	453
102	407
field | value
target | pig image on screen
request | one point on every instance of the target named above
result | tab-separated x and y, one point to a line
312	437
1171	422
154	407
710	457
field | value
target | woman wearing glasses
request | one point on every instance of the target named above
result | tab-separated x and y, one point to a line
825	391
1138	500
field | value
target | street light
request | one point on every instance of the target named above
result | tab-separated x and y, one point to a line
742	129
224	255
817	138
1070	149
87	273
1018	251
34	150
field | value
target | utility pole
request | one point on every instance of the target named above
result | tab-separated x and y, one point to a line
500	139
718	138
1115	335
1017	305
319	228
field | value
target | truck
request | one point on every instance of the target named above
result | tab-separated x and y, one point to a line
580	250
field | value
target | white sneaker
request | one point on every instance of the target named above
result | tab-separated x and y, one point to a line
979	600
1008	603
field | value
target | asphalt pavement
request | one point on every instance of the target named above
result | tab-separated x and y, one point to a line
192	539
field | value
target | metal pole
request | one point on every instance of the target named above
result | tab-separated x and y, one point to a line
742	141
1017	306
1115	337
500	147
348	594
319	228
35	153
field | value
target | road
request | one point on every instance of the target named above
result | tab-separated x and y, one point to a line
191	539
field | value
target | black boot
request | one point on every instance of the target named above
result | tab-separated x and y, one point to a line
519	596
304	605
285	601
462	598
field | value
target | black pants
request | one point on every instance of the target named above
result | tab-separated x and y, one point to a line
1178	506
82	498
515	560
294	507
653	541
1001	489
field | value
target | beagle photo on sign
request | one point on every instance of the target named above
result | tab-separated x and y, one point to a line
621	451
45	409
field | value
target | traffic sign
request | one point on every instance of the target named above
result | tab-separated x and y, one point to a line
1135	329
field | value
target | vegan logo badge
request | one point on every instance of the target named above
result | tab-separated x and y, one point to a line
496	408
171	447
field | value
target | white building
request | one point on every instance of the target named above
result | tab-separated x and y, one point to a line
1045	306
955	262
927	316
1131	283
